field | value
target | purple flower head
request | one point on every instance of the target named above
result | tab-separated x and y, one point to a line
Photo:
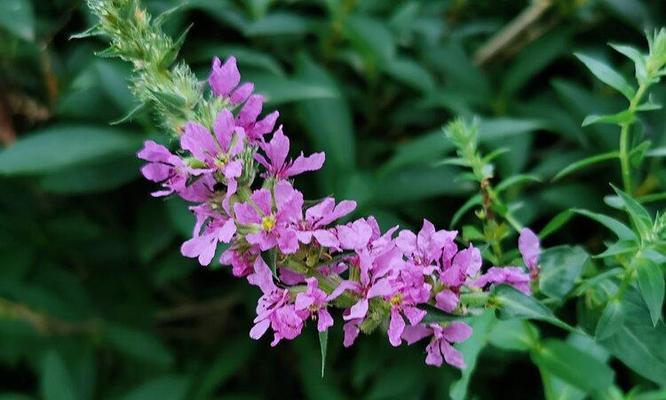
428	246
224	80
247	119
276	162
411	290
164	167
218	153
273	226
466	263
242	263
530	248
373	282
440	349
211	228
273	307
314	300
355	235
513	276
318	217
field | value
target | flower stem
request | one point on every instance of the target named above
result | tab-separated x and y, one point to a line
625	163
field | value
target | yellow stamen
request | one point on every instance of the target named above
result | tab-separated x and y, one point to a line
268	223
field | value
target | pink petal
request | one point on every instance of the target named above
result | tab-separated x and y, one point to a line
433	354
413	334
224	78
358	310
396	327
241	93
446	300
351	333
224	128
457	332
198	140
414	314
325	320
451	355
380	288
251	110
259	329
530	247
302	164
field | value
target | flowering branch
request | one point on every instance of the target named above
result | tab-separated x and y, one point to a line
238	177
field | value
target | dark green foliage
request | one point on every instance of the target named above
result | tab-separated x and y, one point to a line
96	301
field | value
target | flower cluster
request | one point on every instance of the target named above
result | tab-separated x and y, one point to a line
305	262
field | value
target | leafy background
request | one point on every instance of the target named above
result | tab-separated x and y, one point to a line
95	300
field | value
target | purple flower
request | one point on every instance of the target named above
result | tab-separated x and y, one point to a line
372	282
211	228
247	119
219	152
241	262
276	162
273	307
318	217
513	276
428	246
440	349
411	289
314	300
355	235
465	264
272	226
224	80
447	300
530	248
163	167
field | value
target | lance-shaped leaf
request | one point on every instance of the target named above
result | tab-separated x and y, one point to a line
639	215
567	362
621	230
585	162
513	304
610	320
651	284
323	347
607	75
623	117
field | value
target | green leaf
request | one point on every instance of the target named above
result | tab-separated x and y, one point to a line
620	229
623	117
329	125
169	387
281	23
55	379
279	90
93	177
516	180
556	223
226	364
535	58
471	202
651	284
607	75
411	74
416	183
513	304
566	362
514	335
58	147
17	17
471	349
138	345
610	321
371	38
639	215
560	269
585	162
638	343
323	347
